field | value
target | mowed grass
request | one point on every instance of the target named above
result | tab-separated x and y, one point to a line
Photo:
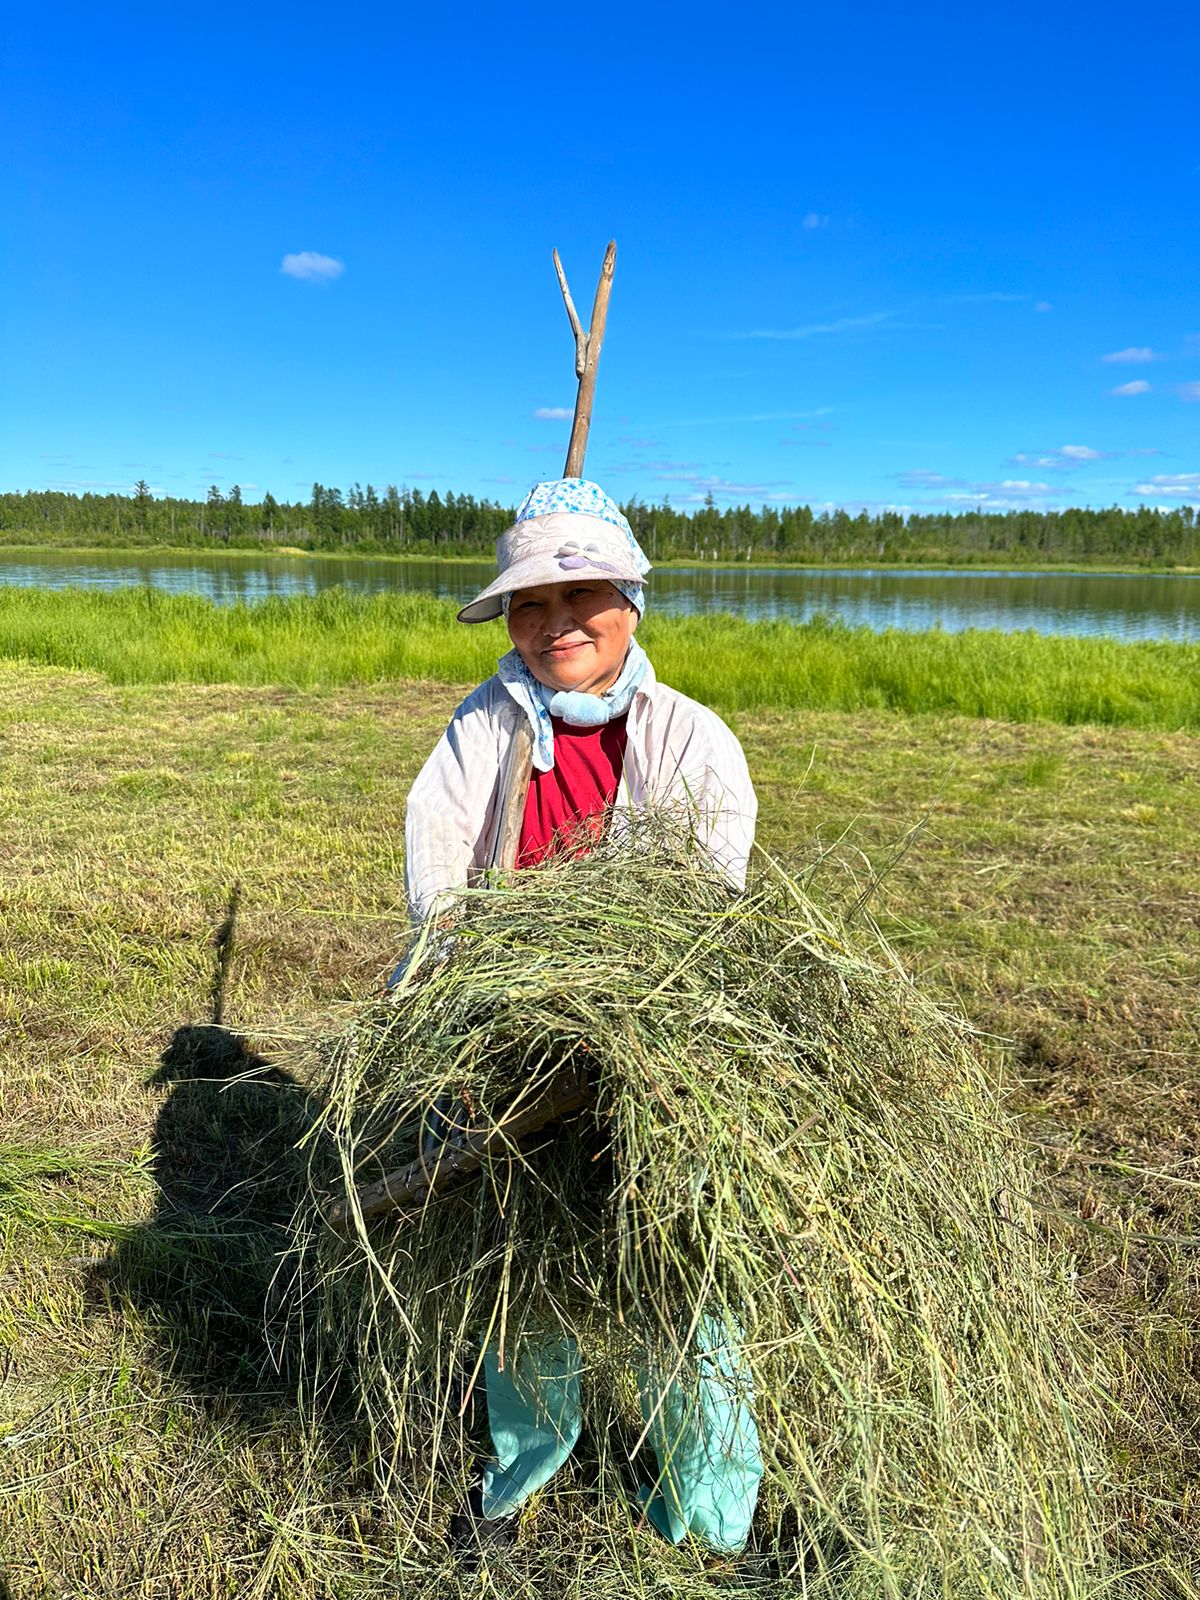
147	1448
143	636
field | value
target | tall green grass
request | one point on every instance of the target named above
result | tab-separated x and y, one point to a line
143	636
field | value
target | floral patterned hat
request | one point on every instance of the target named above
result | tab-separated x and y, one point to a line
568	528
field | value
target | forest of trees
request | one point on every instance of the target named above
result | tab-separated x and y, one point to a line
407	521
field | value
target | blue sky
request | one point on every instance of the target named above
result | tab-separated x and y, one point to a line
872	255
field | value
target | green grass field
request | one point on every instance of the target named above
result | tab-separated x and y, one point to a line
1045	876
143	636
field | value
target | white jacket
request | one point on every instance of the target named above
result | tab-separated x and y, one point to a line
678	755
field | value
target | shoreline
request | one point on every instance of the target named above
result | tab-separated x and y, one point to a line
932	564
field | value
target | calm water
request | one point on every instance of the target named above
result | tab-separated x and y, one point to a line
1125	607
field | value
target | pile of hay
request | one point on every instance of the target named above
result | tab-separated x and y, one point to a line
786	1135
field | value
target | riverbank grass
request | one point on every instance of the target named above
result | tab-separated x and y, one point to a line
335	639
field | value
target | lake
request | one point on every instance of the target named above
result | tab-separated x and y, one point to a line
1124	606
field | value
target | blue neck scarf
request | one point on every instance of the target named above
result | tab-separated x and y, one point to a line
540	703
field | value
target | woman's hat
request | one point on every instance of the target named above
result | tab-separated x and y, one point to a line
565	529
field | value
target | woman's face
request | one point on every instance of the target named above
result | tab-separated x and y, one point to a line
572	635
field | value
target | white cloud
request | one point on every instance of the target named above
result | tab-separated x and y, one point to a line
753	416
722	488
922	478
1132	355
747	492
1011	494
875	507
88	483
1189	391
787	416
814	219
808	329
311	267
1180	485
1138	386
1043	305
1065	459
554	413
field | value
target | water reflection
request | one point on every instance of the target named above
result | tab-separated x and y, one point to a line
229	579
1124	606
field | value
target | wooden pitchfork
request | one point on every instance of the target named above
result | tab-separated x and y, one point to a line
445	1161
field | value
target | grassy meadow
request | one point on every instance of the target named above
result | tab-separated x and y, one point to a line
1025	810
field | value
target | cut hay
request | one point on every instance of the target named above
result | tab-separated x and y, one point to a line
786	1137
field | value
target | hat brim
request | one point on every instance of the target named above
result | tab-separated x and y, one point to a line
534	572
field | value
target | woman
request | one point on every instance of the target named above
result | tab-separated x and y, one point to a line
605	735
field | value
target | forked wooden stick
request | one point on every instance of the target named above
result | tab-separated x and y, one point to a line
587	355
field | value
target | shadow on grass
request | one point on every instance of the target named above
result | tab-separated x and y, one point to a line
202	1271
229	1174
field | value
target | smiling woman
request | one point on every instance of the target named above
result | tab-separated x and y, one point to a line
579	695
606	736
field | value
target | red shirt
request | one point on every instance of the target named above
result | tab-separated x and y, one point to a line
566	807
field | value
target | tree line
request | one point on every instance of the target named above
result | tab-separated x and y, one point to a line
409	521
